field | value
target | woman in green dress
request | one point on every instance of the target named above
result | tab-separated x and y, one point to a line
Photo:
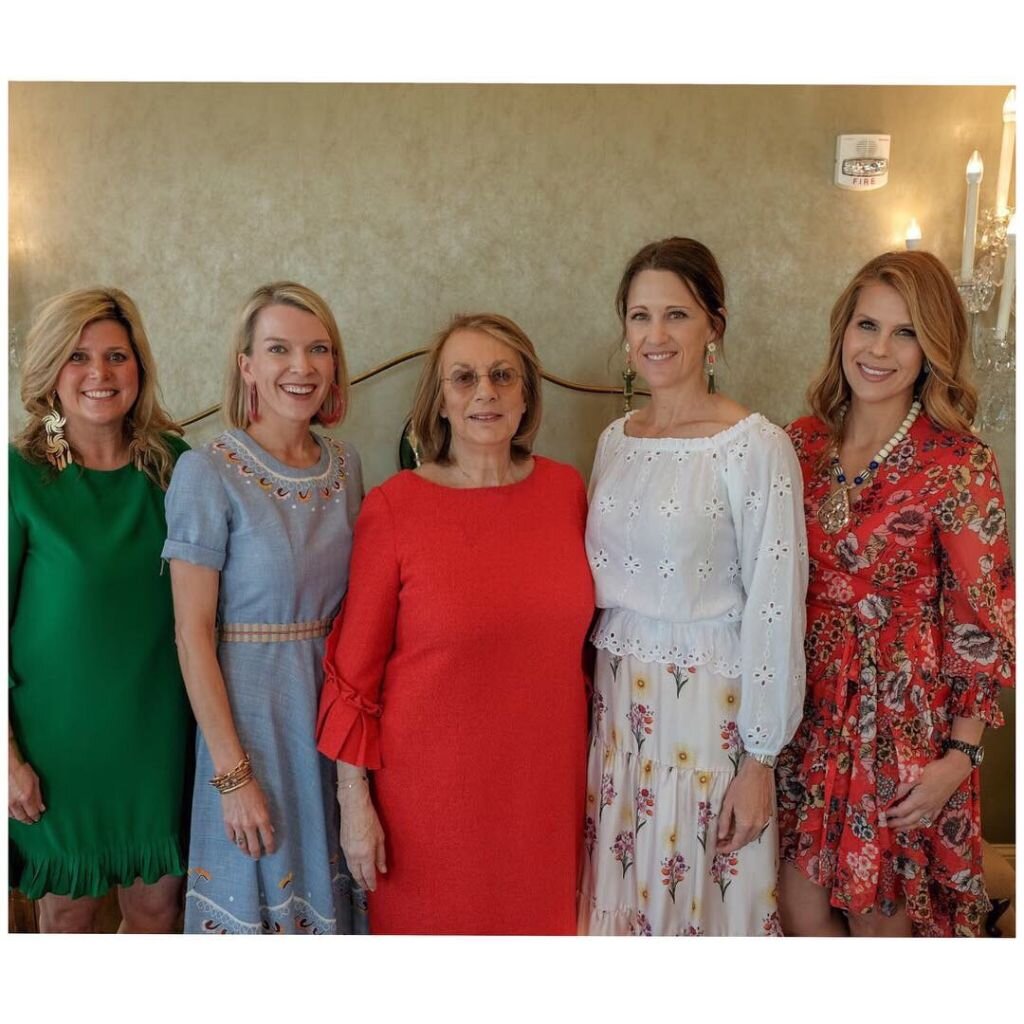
99	722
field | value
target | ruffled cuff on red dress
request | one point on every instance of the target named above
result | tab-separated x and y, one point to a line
348	725
977	697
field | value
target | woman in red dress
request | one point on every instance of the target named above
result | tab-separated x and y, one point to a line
455	672
909	620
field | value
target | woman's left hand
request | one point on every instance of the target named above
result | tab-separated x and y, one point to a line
24	794
919	804
747	808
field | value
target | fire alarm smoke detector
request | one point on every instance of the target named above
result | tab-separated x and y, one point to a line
862	162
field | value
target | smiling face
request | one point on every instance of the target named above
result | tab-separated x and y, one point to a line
484	415
667	329
99	383
291	364
882	358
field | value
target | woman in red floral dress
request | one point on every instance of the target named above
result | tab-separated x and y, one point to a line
909	620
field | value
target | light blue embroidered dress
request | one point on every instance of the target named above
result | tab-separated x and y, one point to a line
280	538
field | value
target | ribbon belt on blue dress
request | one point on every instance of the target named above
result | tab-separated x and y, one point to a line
272	632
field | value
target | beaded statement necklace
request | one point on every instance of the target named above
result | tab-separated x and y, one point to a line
834	511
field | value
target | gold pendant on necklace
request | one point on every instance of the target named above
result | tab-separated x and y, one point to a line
834	511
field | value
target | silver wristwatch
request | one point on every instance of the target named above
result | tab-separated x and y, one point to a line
768	760
975	751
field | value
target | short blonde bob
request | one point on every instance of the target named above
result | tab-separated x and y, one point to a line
56	329
432	430
235	407
940	322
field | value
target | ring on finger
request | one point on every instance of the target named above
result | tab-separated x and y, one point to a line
925	820
240	840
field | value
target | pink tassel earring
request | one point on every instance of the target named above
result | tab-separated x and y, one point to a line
333	408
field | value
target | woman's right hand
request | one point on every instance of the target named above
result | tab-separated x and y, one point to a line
24	794
247	819
362	838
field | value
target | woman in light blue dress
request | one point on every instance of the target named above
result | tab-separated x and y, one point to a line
259	532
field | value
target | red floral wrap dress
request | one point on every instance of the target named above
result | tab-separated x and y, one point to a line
909	624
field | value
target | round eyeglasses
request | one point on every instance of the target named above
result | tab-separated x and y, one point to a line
500	377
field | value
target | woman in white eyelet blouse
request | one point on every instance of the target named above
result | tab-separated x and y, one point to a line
697	544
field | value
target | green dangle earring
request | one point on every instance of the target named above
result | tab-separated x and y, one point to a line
709	365
628	376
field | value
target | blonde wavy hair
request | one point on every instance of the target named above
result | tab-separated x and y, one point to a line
56	329
432	430
282	293
940	322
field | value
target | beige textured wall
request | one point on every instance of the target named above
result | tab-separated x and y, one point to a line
403	204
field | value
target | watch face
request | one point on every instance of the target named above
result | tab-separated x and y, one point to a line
979	756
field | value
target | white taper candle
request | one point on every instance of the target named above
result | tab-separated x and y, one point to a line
975	172
1006	152
1009	273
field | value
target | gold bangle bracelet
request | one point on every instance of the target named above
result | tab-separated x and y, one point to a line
228	781
237	785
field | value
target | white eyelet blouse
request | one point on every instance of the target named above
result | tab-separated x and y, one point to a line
699	554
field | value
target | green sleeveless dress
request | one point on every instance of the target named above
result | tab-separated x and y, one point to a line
96	699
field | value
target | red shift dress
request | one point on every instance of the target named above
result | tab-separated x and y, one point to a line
909	623
455	672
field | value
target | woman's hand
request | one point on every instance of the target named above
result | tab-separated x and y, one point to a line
247	819
24	795
362	838
920	803
747	808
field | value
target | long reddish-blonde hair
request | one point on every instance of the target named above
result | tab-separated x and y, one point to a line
940	322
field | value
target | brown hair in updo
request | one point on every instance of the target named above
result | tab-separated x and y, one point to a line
693	263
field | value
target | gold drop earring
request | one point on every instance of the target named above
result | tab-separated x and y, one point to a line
138	451
58	451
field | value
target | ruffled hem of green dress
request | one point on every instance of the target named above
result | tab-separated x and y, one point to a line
94	873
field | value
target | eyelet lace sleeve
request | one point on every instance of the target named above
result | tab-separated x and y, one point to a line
766	498
599	453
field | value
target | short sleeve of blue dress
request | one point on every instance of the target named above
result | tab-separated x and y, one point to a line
197	513
280	538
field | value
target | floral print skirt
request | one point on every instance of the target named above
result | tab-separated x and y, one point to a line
664	748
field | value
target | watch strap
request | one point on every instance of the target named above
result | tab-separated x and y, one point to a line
975	751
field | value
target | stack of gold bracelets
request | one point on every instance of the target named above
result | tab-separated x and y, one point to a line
239	776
